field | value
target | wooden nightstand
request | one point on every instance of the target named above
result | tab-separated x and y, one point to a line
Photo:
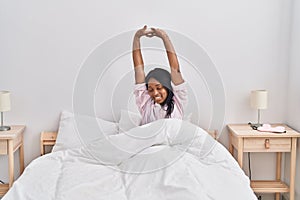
48	138
10	141
244	139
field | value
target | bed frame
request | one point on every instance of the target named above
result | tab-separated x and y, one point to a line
48	138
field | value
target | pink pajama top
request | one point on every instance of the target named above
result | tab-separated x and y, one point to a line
152	111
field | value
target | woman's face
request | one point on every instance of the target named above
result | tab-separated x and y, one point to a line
156	91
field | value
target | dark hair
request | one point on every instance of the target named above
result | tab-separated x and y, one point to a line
164	78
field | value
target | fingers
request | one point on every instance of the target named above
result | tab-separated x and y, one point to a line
144	31
158	32
151	32
154	30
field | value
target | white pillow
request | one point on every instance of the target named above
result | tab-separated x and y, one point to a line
77	130
129	120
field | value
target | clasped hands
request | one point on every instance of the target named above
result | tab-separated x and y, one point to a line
150	32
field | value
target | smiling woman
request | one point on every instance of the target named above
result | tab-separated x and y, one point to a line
156	97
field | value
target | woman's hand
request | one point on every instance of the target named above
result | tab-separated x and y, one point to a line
144	32
159	33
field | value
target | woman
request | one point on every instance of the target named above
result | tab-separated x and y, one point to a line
156	97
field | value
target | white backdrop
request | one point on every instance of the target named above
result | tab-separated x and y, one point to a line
44	43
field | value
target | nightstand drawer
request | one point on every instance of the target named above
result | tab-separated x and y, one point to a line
267	144
4	144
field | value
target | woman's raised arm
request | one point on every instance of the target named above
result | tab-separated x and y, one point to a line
137	54
172	57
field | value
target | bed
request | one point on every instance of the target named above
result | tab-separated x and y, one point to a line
165	159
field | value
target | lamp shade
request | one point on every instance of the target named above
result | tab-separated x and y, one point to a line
259	99
4	101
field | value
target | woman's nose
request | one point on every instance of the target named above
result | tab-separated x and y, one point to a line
155	92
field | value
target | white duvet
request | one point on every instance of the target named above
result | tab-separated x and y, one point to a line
166	159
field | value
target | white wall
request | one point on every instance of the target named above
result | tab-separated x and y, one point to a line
293	103
43	44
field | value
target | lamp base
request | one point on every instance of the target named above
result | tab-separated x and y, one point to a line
4	128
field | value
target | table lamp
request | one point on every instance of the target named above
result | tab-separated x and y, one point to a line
4	106
259	101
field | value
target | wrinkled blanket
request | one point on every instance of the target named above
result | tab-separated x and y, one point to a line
166	159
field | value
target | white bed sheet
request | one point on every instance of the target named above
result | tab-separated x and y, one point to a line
180	161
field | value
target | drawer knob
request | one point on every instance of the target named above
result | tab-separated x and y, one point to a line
267	143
